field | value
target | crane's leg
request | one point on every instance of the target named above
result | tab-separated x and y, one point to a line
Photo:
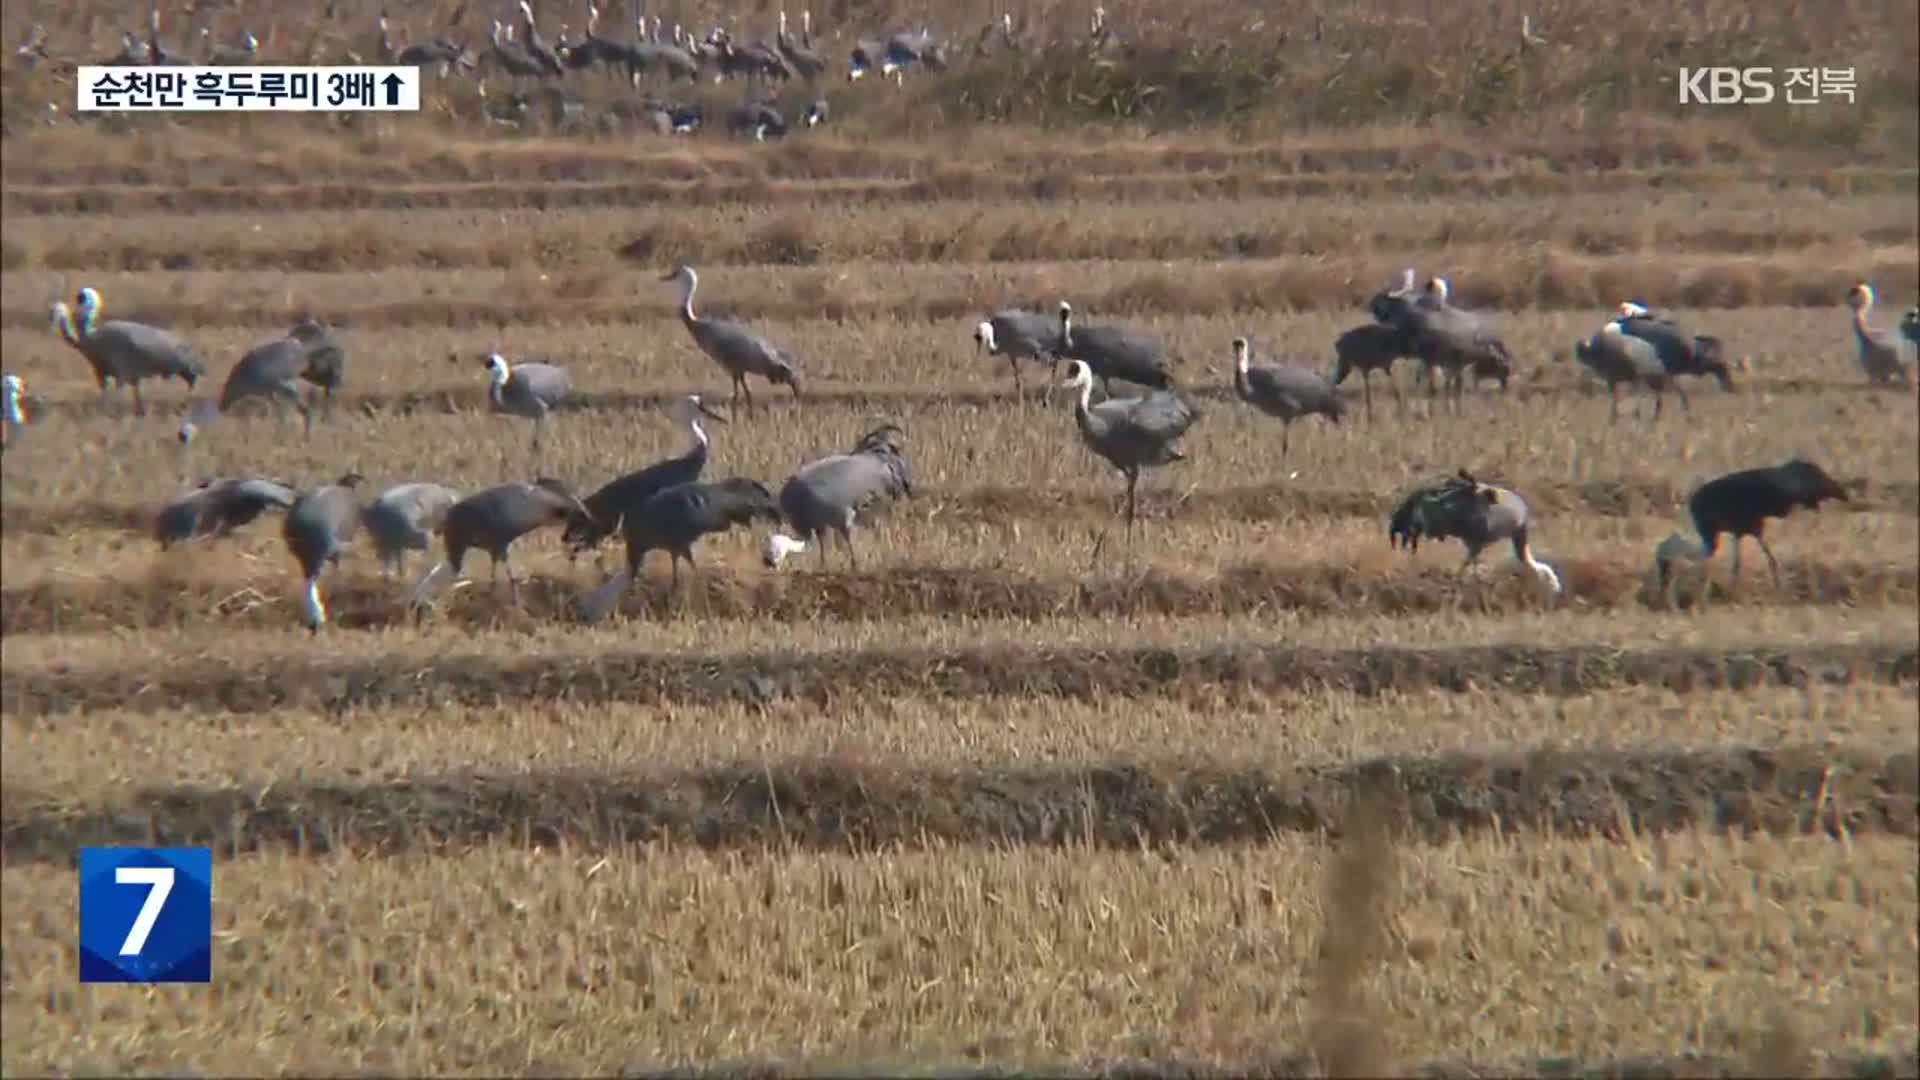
747	391
139	404
1286	438
853	557
1736	560
1366	392
1772	563
1019	392
1613	399
1685	405
1133	483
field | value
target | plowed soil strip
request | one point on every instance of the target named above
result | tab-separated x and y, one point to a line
363	603
832	805
1629	497
823	676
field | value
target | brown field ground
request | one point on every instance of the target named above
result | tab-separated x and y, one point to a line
1251	793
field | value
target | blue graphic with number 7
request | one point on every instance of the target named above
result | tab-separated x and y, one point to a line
146	915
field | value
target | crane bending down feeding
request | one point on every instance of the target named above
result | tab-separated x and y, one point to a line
1019	335
317	529
673	521
1284	391
1477	514
404	518
739	351
217	507
529	390
491	521
608	507
1680	351
1739	504
826	496
272	370
1617	357
123	352
1130	433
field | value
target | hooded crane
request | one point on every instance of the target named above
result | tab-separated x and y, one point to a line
1284	391
826	496
1885	357
1130	433
1110	352
756	120
529	390
1617	357
1479	515
13	414
1680	352
317	529
1368	348
675	519
271	369
491	521
1019	335
608	507
511	57
1910	327
739	351
1739	504
535	47
799	55
217	507
404	518
125	352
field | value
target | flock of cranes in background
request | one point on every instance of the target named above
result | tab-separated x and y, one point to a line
666	506
653	56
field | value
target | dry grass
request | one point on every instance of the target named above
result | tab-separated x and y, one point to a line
558	961
978	804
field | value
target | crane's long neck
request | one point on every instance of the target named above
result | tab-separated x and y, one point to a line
1084	402
689	281
14	415
1066	330
64	323
1860	327
699	433
1240	363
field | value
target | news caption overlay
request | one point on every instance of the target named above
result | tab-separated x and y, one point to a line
146	915
189	88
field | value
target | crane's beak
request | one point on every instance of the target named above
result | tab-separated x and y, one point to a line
710	414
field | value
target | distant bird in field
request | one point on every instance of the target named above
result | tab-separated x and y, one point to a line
491	521
1739	504
1285	392
1478	515
404	518
608	507
1368	348
1019	335
529	390
1111	352
316	530
13	415
1887	358
826	496
125	353
217	507
673	521
1130	433
740	352
1680	351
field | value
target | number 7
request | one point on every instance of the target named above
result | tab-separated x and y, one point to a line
161	880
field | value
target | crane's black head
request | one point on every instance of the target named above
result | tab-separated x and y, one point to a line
1388	307
783	373
351	478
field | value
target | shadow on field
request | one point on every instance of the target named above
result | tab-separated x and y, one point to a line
325	684
168	599
847	803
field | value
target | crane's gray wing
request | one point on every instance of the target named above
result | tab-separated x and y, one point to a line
1159	417
740	342
263	491
546	382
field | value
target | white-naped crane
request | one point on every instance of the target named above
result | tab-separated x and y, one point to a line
738	351
1019	335
1285	392
608	507
125	353
1886	357
530	390
491	521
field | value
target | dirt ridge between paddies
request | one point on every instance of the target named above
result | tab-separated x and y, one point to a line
798	287
363	602
838	803
337	685
1638	496
464	399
